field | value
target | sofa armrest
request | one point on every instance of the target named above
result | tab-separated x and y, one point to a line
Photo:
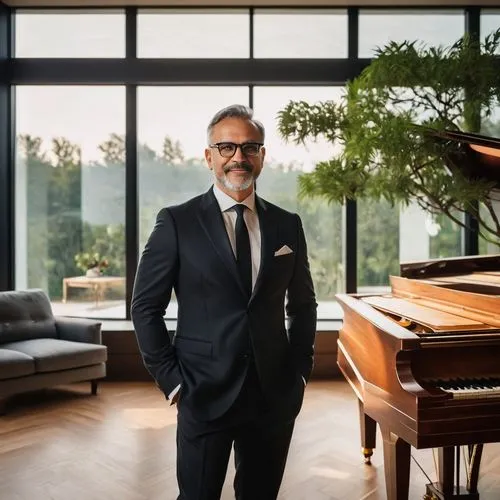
79	330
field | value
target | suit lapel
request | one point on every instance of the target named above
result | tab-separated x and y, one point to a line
212	222
268	228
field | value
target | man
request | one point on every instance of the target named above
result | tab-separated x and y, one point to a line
235	371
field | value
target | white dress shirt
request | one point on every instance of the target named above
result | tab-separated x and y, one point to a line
226	204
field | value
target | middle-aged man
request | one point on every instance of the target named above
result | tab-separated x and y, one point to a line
234	367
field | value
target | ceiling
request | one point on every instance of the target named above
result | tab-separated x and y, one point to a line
246	3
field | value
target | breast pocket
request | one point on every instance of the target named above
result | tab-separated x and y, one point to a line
282	267
287	259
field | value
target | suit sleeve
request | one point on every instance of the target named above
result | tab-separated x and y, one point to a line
154	281
301	309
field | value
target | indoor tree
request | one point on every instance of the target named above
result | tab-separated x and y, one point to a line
381	129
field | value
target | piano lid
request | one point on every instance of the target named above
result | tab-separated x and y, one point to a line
475	155
431	314
449	266
468	287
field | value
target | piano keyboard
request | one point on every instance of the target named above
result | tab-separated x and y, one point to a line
470	388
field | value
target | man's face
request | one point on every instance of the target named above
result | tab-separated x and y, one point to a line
235	175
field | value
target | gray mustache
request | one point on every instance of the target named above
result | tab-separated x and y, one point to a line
235	166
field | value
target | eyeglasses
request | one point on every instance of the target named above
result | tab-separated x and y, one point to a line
228	149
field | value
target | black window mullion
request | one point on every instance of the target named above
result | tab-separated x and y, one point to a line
138	71
352	32
251	15
471	230
7	234
351	208
131	33
350	246
131	171
251	30
473	21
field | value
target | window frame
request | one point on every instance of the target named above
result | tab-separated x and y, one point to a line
132	72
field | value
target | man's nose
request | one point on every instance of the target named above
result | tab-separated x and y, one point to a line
238	155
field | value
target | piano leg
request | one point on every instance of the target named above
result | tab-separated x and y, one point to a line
445	470
396	465
368	428
475	453
447	486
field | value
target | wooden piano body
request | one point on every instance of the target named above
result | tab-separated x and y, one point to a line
424	361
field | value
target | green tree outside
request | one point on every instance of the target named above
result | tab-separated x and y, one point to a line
56	231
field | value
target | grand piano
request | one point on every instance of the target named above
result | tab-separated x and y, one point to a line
424	362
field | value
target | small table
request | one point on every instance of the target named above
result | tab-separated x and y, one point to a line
98	284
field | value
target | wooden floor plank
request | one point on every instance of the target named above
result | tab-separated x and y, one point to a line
64	444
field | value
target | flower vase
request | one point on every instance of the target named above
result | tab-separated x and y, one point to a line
93	272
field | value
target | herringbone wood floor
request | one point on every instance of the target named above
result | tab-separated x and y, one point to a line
64	444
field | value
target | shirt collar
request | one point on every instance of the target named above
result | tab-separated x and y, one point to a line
226	202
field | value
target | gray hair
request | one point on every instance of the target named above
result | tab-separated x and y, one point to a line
234	111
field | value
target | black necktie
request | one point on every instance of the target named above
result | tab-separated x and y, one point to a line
243	254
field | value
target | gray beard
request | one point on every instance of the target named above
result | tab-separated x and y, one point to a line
232	187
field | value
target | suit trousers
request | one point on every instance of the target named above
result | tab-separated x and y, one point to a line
261	441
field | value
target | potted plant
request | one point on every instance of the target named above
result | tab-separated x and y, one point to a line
92	264
382	154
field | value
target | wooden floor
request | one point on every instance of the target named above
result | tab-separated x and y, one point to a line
64	444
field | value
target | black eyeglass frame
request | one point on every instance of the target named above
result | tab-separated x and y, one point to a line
236	146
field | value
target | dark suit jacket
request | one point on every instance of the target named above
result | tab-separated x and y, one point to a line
218	328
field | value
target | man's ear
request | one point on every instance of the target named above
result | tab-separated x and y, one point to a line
263	153
208	157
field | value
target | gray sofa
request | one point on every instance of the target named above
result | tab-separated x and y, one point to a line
38	350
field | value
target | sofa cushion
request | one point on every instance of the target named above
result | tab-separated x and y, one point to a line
15	364
25	315
54	354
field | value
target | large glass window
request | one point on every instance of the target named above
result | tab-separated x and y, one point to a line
378	27
278	183
70	156
491	127
193	33
491	245
172	124
319	33
377	244
75	33
70	197
389	235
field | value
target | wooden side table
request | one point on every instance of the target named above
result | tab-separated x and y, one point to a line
98	285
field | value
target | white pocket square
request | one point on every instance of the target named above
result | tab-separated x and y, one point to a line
284	250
